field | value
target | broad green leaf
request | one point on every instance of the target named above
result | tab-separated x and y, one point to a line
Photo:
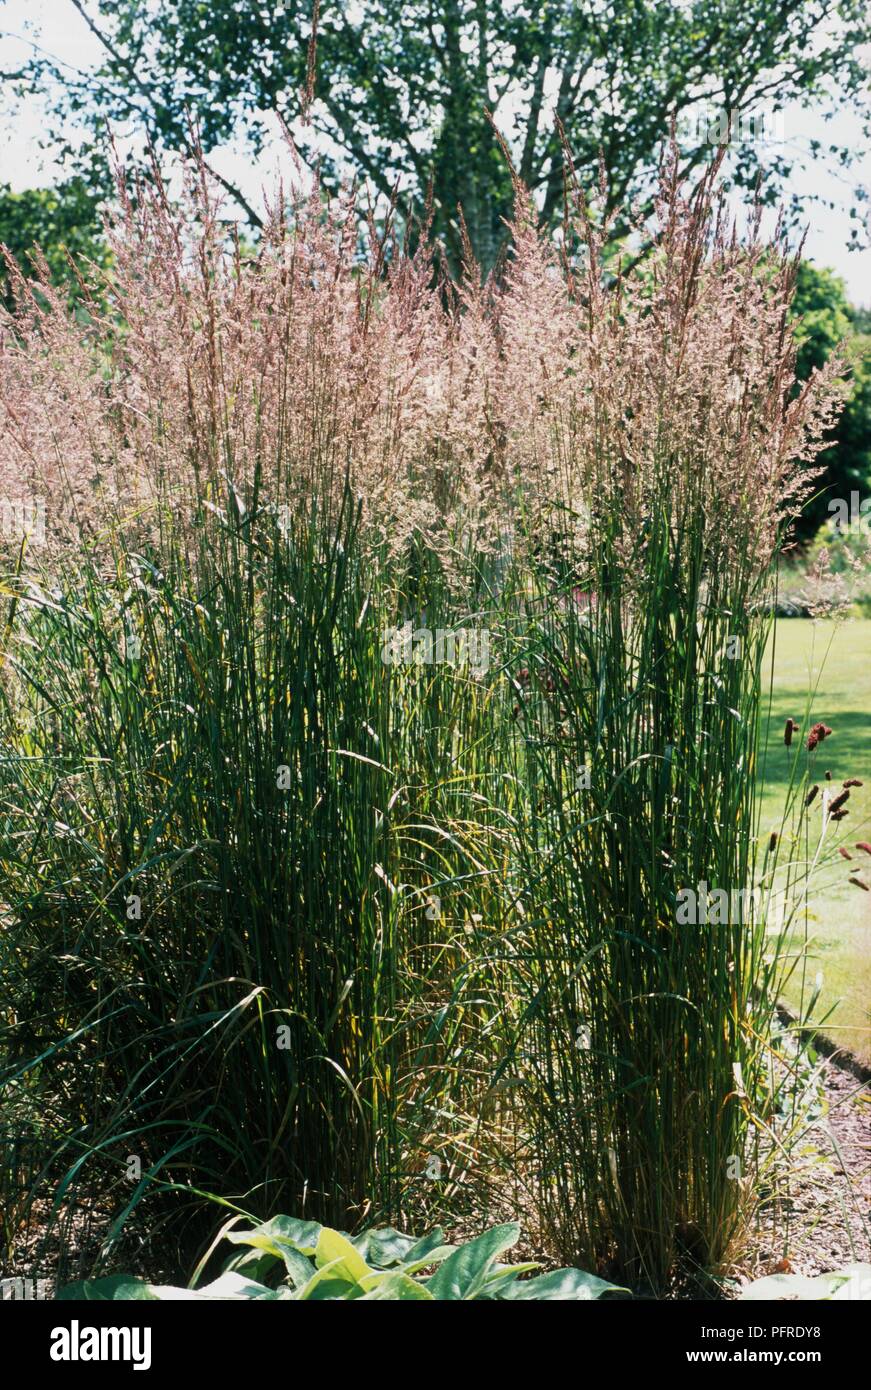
296	1264
502	1275
434	1257
113	1289
332	1290
255	1241
360	1242
430	1245
392	1285
336	1250
302	1235
257	1264
120	1288
793	1286
853	1281
329	1282
567	1284
385	1247
463	1273
298	1267
233	1285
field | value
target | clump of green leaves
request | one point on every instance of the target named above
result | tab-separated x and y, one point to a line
61	225
289	1259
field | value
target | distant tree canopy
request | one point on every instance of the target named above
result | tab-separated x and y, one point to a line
827	320
403	87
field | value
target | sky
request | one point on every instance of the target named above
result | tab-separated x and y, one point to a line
56	26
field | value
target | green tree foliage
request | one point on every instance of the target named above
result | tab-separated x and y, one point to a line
404	88
826	321
62	221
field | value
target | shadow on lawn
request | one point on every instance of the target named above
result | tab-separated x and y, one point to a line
847	753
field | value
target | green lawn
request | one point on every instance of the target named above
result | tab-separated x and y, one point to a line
822	671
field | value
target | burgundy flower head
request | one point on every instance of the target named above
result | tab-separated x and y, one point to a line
816	736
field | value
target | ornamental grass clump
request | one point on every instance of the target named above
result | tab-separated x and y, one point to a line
290	922
237	852
239	855
662	448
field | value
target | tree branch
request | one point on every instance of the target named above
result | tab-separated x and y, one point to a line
157	107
